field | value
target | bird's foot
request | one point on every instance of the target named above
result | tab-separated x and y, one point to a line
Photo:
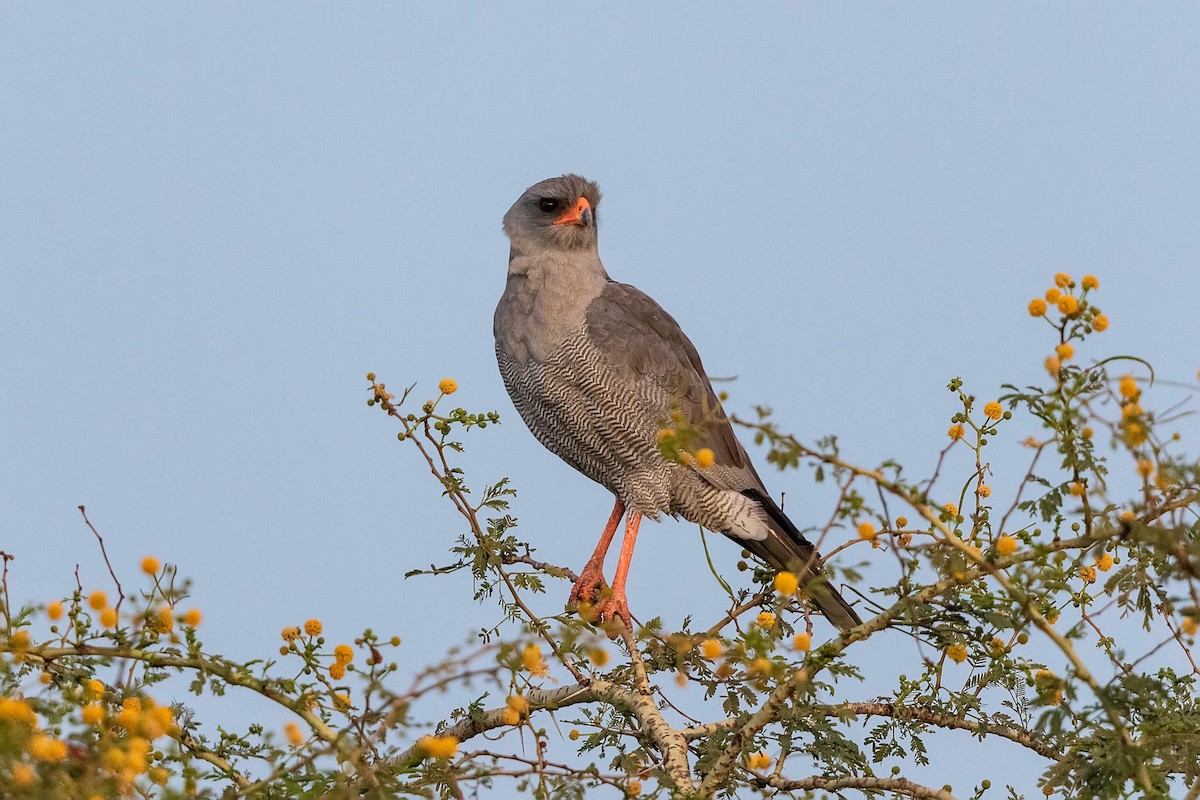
590	588
612	614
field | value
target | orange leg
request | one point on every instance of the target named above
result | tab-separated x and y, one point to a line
617	606
590	585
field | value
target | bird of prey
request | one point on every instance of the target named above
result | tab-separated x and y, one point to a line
596	369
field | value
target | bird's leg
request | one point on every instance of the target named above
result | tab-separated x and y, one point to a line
616	606
590	585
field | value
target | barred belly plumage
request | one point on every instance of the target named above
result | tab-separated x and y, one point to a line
580	409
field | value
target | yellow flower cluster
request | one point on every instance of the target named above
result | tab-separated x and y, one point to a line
765	619
711	649
438	746
758	761
802	642
533	662
293	733
1007	545
313	627
957	652
447	386
517	709
704	458
290	634
1087	574
16	709
786	583
951	509
598	656
867	531
955	432
1105	562
993	410
150	565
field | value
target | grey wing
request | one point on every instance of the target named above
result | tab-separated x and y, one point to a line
646	344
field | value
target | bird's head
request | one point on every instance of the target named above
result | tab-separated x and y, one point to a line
558	213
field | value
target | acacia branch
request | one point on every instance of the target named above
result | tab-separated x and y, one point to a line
902	786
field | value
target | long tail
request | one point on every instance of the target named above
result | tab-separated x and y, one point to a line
785	548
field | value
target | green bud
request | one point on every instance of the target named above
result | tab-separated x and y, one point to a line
371	377
400	437
371	402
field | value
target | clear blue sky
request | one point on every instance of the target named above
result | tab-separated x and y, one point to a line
215	219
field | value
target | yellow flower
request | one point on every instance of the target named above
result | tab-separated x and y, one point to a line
951	509
150	565
866	531
341	702
1037	307
984	490
510	717
1076	489
518	703
1190	626
166	618
957	653
293	733
802	642
665	433
447	386
786	583
1068	305
760	667
192	617
1062	280
48	749
46	678
633	788
998	646
1105	562
290	634
55	610
17	710
1128	386
765	619
532	661
1090	282
343	653
1066	351
1053	365
598	656
1088	574
158	776
1127	516
711	649
993	410
94	688
1052	295
97	600
1144	467
1131	410
901	522
1088	433
108	618
759	761
704	458
92	714
337	670
1099	323
1135	434
313	627
22	774
955	432
438	746
574	735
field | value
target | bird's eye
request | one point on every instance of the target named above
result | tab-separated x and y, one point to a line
548	204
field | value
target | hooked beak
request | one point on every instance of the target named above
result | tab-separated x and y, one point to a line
579	214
